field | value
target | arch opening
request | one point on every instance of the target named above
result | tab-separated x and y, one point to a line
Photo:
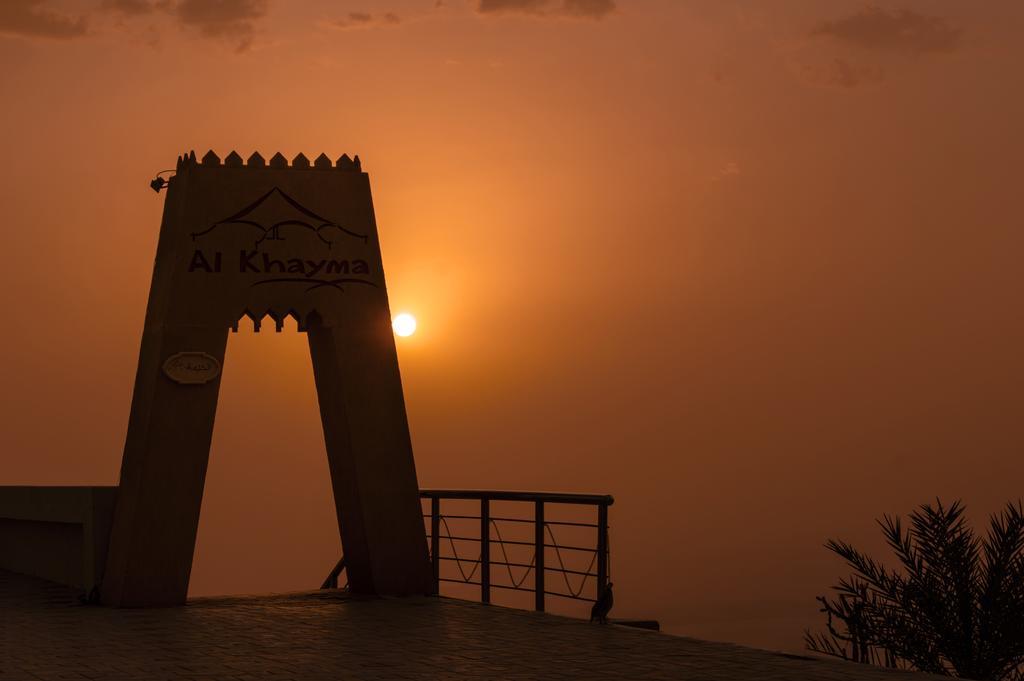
267	521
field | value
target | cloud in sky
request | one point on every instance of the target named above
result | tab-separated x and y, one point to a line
848	75
365	20
128	7
229	20
726	170
900	30
591	9
843	73
32	19
233	20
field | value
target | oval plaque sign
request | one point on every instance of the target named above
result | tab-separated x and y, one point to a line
191	368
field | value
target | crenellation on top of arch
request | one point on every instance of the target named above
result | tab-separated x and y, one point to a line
278	161
279	316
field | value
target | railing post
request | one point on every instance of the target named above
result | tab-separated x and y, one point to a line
602	548
435	541
538	562
485	550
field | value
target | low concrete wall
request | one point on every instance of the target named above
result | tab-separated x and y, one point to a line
57	533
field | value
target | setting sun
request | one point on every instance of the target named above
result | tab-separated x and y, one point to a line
404	324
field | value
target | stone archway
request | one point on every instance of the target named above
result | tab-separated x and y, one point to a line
266	241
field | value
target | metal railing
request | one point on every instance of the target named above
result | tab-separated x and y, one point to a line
543	538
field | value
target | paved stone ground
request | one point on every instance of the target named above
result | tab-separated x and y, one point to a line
46	634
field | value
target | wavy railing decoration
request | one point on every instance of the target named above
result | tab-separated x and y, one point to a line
597	572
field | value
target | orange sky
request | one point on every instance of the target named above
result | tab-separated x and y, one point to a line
754	271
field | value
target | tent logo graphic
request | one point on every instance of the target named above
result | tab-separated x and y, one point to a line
305	219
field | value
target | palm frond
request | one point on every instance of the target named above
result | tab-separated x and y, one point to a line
954	606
